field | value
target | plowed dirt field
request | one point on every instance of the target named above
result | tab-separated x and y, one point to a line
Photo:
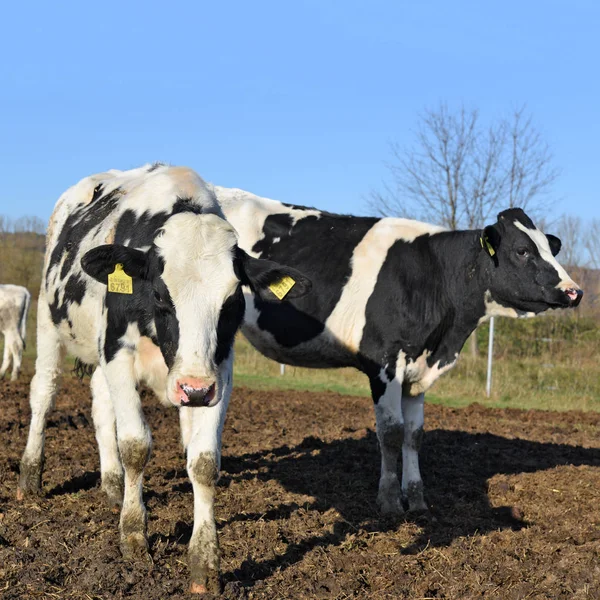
514	499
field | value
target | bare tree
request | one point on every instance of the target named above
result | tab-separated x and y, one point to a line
580	244
530	173
29	224
570	231
592	243
458	173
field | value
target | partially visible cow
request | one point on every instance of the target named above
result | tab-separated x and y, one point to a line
394	298
14	307
143	277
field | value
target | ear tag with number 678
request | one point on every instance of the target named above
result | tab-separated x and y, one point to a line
281	287
119	282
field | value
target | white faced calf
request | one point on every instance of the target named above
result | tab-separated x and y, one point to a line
168	318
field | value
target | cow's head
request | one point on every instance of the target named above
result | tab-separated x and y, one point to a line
189	285
525	275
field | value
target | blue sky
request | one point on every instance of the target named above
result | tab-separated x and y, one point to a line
292	100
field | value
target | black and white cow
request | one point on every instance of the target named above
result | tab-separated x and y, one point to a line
394	298
14	307
142	277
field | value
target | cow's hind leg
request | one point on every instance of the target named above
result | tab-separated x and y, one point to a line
203	463
41	398
412	484
134	441
106	435
16	349
387	396
5	357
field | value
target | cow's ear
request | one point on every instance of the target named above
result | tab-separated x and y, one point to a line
271	281
490	240
555	244
101	261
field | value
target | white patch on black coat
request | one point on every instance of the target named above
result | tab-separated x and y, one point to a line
348	319
248	212
541	241
344	326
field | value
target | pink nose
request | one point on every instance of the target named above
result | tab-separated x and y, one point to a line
193	391
575	295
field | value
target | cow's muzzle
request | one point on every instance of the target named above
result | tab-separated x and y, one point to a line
192	391
574	295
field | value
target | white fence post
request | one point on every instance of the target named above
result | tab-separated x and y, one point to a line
488	385
281	369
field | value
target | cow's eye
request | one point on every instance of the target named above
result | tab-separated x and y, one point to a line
522	252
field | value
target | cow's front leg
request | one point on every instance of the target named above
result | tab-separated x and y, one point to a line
134	441
387	395
412	484
103	415
203	463
41	398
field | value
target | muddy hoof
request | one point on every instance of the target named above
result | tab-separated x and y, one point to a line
134	547
30	480
390	506
421	516
210	585
112	486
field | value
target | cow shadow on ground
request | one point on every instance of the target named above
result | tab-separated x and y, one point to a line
86	481
343	474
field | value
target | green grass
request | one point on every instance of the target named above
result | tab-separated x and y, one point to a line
274	382
548	382
278	382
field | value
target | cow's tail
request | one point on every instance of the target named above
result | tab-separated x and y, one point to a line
23	318
81	369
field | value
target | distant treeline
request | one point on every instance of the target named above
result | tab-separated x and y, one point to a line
22	244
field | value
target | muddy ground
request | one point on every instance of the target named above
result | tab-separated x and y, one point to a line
514	497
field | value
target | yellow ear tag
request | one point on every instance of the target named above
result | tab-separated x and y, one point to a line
485	243
119	282
282	287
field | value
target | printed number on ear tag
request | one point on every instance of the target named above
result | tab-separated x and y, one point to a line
282	287
119	282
